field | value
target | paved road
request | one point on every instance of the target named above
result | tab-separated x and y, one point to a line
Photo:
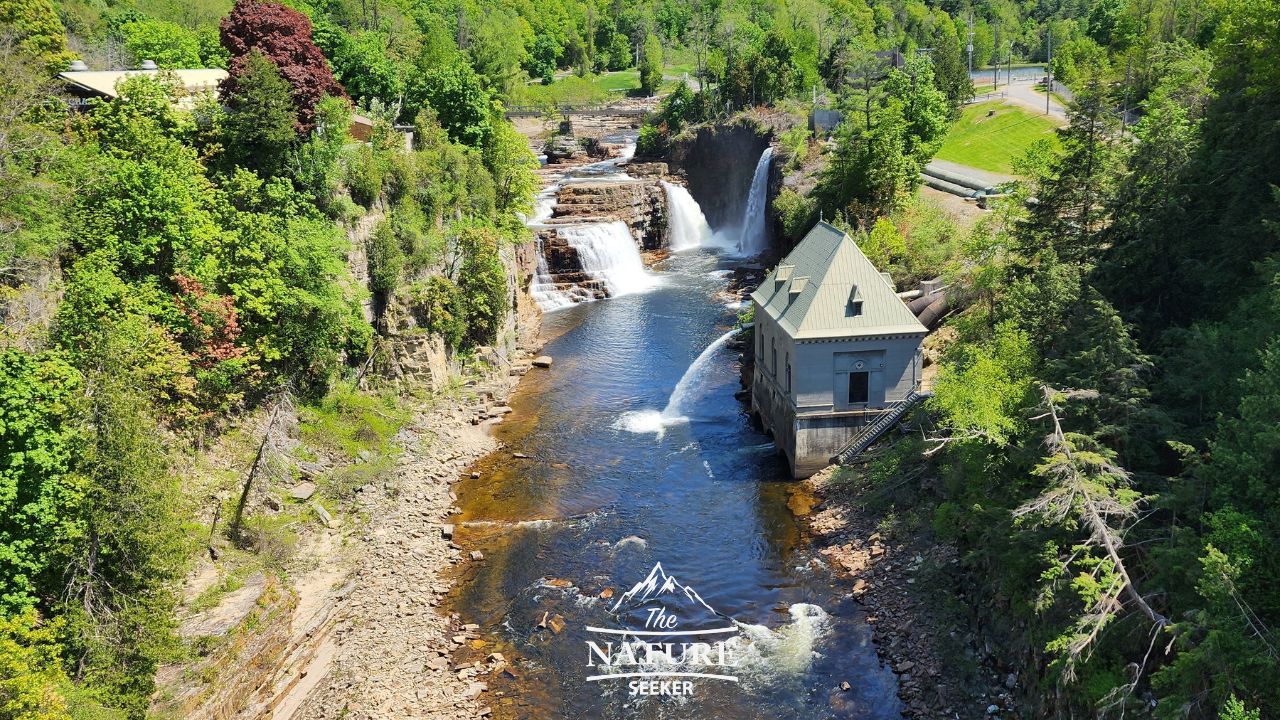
1024	93
983	175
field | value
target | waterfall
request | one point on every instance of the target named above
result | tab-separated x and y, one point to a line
544	291
679	404
609	254
687	224
543	205
754	238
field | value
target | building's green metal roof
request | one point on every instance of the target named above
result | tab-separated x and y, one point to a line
810	294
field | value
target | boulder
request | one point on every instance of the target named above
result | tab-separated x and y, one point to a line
303	491
542	361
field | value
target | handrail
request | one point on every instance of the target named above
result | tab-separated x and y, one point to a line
869	434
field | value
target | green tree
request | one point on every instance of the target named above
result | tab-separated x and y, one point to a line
34	188
651	65
951	73
511	165
482	282
1071	199
38	492
38	31
170	45
315	164
262	117
543	58
31	675
870	170
121	573
460	102
924	108
776	73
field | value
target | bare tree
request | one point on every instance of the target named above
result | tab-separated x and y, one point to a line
268	457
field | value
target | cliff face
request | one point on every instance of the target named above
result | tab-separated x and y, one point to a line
718	162
641	205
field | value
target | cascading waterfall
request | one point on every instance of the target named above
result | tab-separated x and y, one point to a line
610	255
543	206
687	226
754	239
679	405
544	290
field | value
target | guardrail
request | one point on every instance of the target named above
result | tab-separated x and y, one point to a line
567	110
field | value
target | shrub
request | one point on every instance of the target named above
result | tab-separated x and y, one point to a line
652	142
795	211
364	175
438	306
386	259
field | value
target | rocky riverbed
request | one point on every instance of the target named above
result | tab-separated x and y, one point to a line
384	652
888	575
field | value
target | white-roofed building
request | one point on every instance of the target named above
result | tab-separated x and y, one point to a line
836	350
84	85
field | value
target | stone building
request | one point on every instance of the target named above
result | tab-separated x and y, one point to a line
837	352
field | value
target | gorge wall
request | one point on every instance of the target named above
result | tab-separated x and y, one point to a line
718	162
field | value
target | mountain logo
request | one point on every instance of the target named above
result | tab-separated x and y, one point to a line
667	636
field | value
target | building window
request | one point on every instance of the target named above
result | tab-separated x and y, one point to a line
855	308
788	373
859	387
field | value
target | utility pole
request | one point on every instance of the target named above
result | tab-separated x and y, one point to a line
995	66
969	47
1048	66
1008	75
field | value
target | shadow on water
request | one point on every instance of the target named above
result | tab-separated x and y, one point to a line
594	506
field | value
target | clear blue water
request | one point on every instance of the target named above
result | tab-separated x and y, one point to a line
595	506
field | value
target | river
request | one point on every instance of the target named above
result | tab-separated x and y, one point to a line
603	475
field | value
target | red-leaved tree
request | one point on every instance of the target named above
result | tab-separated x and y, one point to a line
213	326
284	36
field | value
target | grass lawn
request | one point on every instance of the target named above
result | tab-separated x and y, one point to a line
992	141
618	82
679	69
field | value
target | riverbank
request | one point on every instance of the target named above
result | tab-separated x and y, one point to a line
386	652
901	578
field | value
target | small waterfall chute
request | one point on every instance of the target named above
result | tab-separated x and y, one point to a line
682	399
543	288
609	254
754	239
687	225
785	653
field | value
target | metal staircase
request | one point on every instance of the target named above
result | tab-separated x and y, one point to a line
870	433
